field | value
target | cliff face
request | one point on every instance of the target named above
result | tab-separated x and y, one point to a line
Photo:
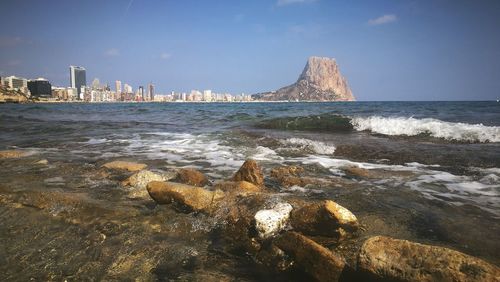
320	80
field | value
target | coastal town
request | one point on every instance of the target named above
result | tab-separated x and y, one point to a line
20	89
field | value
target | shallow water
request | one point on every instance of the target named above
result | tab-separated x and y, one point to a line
434	178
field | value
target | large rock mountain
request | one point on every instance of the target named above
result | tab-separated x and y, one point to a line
320	81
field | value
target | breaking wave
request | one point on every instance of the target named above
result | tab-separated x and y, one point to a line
428	126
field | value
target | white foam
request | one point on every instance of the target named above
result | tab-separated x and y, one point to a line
315	146
436	128
264	154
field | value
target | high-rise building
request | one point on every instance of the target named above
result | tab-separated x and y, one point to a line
78	78
14	82
40	87
151	92
118	86
141	93
207	95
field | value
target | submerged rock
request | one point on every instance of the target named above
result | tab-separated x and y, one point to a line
8	154
42	162
358	172
325	218
191	176
188	197
387	259
270	222
251	172
237	187
130	166
142	178
318	261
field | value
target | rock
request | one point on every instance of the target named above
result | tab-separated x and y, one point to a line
282	171
142	178
237	186
316	260
190	198
250	172
42	162
320	80
130	166
191	176
270	222
325	218
358	172
8	154
387	259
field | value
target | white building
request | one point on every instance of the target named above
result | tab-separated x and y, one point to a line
16	83
207	95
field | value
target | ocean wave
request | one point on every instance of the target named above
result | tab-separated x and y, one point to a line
321	123
317	147
410	126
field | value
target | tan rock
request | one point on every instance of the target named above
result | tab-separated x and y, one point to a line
325	218
8	154
189	197
316	260
282	171
387	259
42	162
237	187
358	172
130	166
142	178
191	176
250	172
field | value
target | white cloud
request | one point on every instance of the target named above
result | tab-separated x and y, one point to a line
385	19
165	56
288	2
113	52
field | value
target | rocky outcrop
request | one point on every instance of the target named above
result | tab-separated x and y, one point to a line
8	154
250	172
188	198
191	176
122	165
320	80
325	218
316	260
387	259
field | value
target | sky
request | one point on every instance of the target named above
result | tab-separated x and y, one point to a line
387	50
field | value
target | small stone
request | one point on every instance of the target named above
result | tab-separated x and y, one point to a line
293	170
191	176
250	172
42	162
189	197
142	178
270	222
387	259
130	166
325	218
316	260
9	154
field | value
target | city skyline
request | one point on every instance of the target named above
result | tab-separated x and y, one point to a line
391	50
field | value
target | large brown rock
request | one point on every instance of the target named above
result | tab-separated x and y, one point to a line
240	187
320	80
387	259
191	176
7	154
123	165
250	172
316	260
189	198
325	218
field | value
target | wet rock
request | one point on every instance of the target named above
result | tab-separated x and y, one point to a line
387	259
358	172
191	176
130	166
8	154
282	171
142	178
188	197
316	260
237	187
250	172
270	222
325	218
42	162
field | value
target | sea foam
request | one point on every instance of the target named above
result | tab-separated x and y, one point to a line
436	128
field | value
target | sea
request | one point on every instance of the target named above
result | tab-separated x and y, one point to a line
432	175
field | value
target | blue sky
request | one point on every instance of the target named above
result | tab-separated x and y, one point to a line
388	50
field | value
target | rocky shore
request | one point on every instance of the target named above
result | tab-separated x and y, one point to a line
316	239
